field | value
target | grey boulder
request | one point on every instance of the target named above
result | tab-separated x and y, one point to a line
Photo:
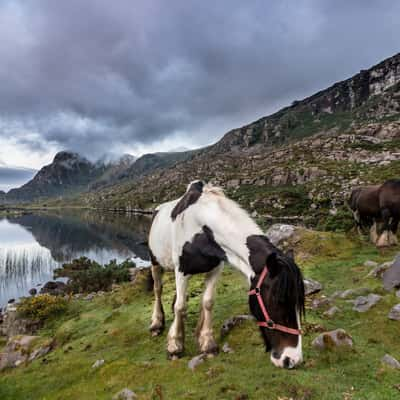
364	303
332	340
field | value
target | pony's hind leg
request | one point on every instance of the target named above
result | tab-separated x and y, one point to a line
158	318
205	333
176	334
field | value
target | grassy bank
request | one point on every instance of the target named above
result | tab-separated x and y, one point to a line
114	328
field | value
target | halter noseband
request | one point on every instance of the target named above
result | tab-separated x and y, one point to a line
269	323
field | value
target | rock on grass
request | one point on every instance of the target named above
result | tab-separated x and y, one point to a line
331	312
391	277
370	264
311	286
395	313
387	359
332	340
364	303
196	361
230	323
125	394
98	363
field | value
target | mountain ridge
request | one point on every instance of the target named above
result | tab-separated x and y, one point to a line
365	107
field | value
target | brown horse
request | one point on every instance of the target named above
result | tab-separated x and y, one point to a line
378	205
364	203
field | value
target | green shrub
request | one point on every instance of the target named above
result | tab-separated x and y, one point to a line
42	307
85	275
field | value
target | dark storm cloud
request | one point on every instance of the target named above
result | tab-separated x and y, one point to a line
14	177
95	76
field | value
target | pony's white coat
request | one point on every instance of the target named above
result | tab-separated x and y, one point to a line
231	226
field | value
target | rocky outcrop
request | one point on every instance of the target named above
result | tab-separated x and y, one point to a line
68	173
11	324
20	350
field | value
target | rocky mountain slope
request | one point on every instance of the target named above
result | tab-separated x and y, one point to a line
298	163
68	173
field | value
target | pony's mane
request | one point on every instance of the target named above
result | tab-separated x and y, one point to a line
288	286
211	189
232	209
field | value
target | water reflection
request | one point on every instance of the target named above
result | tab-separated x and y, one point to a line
33	245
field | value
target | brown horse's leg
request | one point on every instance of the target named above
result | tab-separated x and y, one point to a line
383	240
158	318
205	333
374	233
393	230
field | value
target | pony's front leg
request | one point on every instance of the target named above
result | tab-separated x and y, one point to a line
176	334
205	333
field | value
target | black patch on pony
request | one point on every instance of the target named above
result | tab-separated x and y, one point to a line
191	196
202	254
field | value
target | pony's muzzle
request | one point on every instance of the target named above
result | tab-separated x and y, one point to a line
289	358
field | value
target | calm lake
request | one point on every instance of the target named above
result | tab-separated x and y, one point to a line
33	245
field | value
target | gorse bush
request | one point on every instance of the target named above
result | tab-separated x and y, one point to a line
85	275
42	307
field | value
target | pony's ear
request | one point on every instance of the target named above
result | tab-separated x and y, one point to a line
272	264
290	254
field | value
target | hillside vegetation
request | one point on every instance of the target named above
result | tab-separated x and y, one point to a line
299	163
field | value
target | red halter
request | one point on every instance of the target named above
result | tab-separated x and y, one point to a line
268	323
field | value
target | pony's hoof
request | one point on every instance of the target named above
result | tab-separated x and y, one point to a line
209	347
174	356
156	328
155	332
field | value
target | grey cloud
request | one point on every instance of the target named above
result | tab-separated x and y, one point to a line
93	76
11	177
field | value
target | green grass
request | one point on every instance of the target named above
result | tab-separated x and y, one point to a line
114	328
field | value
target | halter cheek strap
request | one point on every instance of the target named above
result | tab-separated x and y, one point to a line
268	322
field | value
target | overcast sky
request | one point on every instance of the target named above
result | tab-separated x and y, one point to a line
132	76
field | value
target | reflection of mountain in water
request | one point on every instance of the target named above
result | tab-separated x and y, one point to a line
32	245
70	234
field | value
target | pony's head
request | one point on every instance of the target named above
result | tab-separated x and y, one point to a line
282	294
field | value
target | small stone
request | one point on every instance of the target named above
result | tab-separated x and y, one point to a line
364	303
196	361
11	301
398	293
33	292
390	361
98	363
320	303
332	339
311	286
395	313
230	323
90	296
370	264
226	348
354	292
332	311
125	394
